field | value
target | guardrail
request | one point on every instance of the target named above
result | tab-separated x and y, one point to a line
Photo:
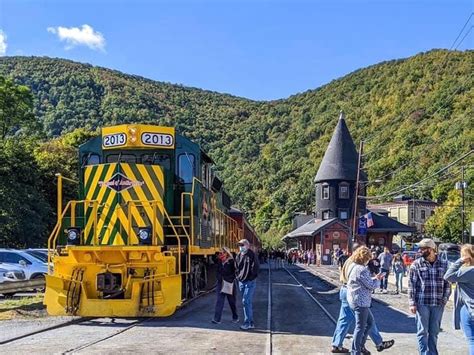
17	286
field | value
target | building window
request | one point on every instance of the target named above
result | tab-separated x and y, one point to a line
343	191
412	213
326	214
325	192
432	212
343	214
423	214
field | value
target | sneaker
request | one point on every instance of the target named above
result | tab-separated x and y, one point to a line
235	320
251	326
384	291
385	345
365	351
245	326
216	321
339	350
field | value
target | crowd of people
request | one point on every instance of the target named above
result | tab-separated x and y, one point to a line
429	289
428	292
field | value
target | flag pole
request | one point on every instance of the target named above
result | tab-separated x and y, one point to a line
356	197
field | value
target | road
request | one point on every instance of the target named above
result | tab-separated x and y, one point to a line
288	321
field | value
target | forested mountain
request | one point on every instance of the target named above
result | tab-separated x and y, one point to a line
415	114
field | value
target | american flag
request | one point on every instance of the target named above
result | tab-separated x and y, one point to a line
370	220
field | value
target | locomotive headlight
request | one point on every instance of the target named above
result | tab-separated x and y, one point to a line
133	131
73	236
144	236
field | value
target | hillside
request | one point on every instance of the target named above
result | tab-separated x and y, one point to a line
416	115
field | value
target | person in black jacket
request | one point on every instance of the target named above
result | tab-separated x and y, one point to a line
225	272
247	271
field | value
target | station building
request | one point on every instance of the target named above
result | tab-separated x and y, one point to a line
330	226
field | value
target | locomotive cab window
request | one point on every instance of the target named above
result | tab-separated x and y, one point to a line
91	159
157	159
123	158
186	167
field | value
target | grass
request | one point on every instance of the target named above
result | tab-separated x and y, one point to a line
23	307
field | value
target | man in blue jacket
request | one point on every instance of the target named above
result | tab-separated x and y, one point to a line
247	271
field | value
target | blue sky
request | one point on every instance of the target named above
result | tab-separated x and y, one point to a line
256	49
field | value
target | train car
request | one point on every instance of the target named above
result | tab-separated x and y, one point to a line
142	236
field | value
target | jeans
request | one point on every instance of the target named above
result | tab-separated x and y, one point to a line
220	303
364	322
247	288
399	281
467	325
345	321
384	282
428	322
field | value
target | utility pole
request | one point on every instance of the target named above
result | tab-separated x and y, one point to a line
356	196
462	186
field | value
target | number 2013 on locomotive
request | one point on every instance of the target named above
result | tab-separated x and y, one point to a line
153	139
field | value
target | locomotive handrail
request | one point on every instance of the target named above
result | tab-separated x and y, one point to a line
155	203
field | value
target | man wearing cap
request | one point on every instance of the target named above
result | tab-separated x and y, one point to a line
428	293
247	271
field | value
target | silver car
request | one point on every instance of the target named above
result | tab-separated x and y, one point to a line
33	267
9	273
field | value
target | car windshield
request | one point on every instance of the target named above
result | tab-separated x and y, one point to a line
38	255
453	255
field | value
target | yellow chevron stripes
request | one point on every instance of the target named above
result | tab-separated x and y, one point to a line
117	187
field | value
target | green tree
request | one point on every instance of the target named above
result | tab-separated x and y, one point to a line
24	211
16	107
446	222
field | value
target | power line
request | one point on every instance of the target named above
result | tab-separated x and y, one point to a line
462	29
422	180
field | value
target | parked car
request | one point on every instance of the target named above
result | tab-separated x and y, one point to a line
10	273
33	267
449	252
409	257
41	254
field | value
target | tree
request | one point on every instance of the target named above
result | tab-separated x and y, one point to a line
446	222
16	107
24	212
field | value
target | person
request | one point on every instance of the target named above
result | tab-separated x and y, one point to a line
374	264
385	259
342	259
346	318
428	293
225	272
247	271
462	272
359	296
398	270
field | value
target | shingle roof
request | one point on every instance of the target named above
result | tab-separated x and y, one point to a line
383	223
311	228
341	157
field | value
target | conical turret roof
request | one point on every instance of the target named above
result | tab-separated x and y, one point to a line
341	157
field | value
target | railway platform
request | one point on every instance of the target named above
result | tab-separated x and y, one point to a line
295	309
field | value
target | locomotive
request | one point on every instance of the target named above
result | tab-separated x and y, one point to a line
142	236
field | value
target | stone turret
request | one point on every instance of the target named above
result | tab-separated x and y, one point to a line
337	175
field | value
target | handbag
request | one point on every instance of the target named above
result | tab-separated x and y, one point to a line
227	287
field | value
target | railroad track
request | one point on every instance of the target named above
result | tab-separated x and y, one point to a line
78	321
320	305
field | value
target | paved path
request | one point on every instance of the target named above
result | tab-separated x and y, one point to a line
292	323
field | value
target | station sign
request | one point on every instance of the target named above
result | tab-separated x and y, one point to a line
138	136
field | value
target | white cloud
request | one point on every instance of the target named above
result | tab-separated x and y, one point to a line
3	43
75	36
